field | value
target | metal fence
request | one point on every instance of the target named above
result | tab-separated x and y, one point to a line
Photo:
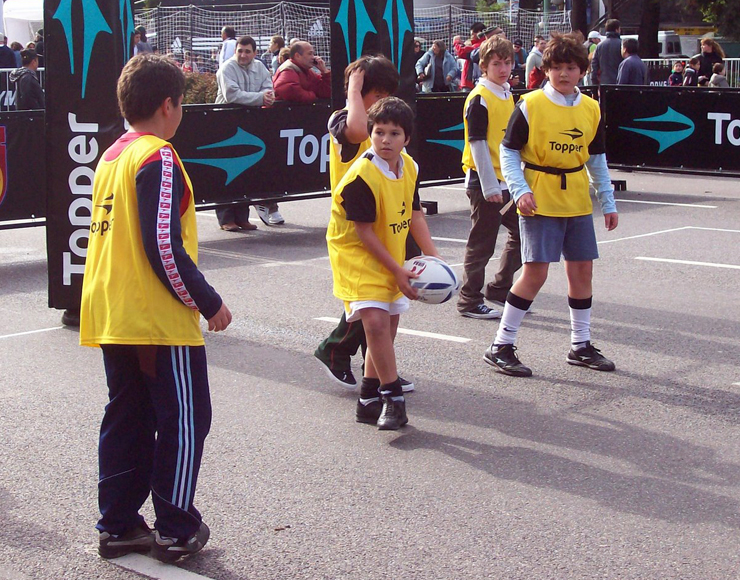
661	67
176	30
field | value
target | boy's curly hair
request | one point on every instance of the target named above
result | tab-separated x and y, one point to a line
565	48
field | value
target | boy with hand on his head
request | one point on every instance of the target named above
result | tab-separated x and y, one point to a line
142	298
486	114
558	134
374	207
366	80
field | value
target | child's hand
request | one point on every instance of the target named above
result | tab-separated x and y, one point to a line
402	279
611	220
221	319
527	205
356	80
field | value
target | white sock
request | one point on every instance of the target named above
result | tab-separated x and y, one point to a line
511	319
580	321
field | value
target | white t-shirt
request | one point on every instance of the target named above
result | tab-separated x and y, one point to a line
228	49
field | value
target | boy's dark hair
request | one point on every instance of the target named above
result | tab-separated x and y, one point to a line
630	45
694	60
477	27
391	110
28	55
247	40
380	74
495	46
612	25
145	83
562	49
717	68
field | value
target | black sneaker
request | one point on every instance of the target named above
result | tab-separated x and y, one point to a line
393	415
407	386
482	311
368	410
504	360
591	357
344	378
167	549
138	540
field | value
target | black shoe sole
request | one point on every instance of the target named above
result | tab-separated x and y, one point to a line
577	363
392	426
480	316
507	371
111	552
366	420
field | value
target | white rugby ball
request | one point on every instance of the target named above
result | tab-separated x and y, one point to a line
437	282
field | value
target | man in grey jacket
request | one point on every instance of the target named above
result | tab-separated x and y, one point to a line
244	80
632	71
607	56
28	92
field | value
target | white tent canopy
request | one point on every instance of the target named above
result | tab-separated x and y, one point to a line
22	18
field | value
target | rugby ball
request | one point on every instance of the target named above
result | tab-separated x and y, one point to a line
437	283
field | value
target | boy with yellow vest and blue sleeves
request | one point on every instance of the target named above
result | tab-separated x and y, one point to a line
557	133
374	208
487	111
142	298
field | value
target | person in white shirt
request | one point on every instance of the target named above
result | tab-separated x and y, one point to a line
228	47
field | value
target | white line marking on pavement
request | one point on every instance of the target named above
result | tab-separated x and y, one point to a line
448	187
666	203
736	384
689	262
645	235
31	332
155	569
714	229
457	240
295	263
411	332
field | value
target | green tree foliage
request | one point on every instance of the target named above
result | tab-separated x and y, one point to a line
724	14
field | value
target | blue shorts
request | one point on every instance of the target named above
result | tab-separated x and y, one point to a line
545	239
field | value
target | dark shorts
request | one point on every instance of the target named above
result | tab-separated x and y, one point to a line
545	239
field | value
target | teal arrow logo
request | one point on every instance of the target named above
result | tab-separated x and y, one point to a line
404	26
92	23
458	144
234	166
665	138
363	26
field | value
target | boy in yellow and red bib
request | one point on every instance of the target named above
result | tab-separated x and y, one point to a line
557	133
142	298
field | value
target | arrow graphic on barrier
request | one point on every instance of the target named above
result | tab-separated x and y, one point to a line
665	138
234	166
363	25
404	26
458	144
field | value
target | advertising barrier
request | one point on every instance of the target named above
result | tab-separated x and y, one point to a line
672	128
22	162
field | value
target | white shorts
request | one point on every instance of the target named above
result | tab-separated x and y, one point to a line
393	308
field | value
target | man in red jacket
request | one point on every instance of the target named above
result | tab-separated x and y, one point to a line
295	81
467	82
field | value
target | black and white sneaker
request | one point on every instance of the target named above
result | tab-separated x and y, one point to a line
137	540
407	386
591	357
393	415
483	312
167	549
504	360
368	410
343	378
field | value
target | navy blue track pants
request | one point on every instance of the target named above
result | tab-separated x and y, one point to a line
152	435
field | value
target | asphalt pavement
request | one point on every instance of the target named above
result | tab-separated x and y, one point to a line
571	474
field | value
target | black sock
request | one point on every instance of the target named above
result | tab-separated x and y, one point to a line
369	389
393	389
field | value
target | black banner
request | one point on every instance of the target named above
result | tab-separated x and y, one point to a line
22	179
673	128
87	44
439	126
232	152
370	27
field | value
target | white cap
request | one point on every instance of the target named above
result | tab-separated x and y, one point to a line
593	34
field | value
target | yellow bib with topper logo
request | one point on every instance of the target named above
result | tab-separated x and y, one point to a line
357	273
123	300
499	111
559	137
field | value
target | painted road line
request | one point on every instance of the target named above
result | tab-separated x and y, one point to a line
448	187
410	332
456	240
154	569
666	203
688	262
31	332
308	262
645	235
714	230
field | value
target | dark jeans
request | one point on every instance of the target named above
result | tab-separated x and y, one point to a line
238	213
486	219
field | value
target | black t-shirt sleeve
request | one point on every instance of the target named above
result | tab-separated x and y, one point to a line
358	201
517	133
477	117
598	145
416	203
337	129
